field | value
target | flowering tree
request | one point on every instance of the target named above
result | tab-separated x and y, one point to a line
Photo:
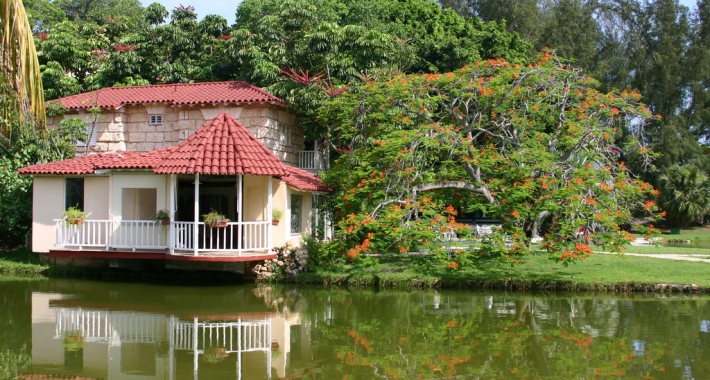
520	143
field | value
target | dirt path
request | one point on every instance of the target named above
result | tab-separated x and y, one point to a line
669	256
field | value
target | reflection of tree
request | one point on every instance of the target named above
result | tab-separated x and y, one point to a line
404	335
15	327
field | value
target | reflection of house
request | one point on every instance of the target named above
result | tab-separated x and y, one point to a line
235	167
145	345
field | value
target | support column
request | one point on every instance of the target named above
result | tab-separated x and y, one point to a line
171	228
195	352
240	217
269	212
197	213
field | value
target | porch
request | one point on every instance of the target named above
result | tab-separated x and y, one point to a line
176	239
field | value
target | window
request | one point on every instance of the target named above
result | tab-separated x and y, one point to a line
90	137
296	201
74	193
155	119
138	204
284	134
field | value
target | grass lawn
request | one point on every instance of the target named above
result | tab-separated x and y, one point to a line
599	269
20	262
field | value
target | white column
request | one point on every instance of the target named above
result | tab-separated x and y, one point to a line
268	351
171	352
195	352
240	218
197	212
171	227
269	212
239	349
314	209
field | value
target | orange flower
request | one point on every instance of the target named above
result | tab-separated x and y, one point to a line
453	265
515	214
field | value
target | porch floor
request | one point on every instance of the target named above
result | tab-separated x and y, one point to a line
212	256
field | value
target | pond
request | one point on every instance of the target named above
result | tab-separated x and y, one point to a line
110	330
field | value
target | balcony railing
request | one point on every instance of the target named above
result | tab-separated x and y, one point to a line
307	160
245	236
148	234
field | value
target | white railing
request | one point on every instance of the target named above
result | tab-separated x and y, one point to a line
240	336
129	327
307	160
245	236
134	234
149	234
92	325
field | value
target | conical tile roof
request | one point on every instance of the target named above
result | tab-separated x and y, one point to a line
222	146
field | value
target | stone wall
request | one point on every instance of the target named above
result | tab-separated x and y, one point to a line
128	128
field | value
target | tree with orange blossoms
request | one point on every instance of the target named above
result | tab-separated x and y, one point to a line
516	142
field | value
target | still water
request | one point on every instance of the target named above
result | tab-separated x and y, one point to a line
108	330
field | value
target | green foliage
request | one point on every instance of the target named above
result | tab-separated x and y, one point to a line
685	194
20	262
510	140
24	147
161	214
213	217
322	255
276	214
73	212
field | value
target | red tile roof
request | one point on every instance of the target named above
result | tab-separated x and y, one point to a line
80	165
303	180
222	146
171	94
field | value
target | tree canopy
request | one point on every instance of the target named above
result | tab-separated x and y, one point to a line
516	142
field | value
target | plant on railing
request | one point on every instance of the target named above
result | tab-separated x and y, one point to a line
162	217
74	215
276	215
215	219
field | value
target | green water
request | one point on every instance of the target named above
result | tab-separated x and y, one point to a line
110	330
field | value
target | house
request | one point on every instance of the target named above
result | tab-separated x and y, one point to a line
186	149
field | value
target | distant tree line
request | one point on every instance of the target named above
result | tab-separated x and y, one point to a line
657	47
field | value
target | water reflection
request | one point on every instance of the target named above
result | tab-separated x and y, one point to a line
93	330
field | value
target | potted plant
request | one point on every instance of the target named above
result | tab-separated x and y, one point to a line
74	215
276	215
215	219
162	217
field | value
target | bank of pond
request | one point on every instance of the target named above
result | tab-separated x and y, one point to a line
533	272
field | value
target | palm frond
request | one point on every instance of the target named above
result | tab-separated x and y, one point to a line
20	84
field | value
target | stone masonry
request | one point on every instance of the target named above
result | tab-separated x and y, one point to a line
128	127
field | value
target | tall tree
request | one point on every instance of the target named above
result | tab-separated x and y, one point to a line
20	85
697	114
513	141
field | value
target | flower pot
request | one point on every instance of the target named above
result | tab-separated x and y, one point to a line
275	222
219	224
75	220
165	221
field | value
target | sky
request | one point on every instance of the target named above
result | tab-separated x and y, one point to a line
228	9
224	8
